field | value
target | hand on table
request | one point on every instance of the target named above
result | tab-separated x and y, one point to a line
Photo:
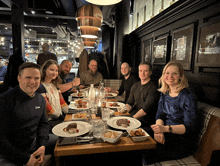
81	86
107	89
73	90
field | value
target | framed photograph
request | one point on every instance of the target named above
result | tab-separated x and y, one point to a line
159	51
182	46
208	53
147	50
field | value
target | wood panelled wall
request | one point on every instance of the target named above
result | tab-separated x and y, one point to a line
204	79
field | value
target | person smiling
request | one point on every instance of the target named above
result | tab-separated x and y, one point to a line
24	128
56	107
143	98
91	76
175	128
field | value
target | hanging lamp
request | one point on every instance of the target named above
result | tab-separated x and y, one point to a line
104	2
89	42
89	20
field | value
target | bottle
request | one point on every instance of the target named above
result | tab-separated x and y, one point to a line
92	94
102	91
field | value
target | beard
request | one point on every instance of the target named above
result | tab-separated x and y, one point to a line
92	72
125	75
63	74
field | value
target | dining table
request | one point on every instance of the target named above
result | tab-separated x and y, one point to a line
125	144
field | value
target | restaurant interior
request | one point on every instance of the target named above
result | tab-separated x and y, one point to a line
132	31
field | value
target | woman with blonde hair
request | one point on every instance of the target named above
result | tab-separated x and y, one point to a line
56	107
175	128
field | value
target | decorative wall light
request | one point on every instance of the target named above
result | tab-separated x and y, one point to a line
89	42
89	20
104	2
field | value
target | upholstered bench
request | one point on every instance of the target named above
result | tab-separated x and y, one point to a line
115	84
208	141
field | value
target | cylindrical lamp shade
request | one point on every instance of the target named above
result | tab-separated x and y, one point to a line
89	20
89	42
104	2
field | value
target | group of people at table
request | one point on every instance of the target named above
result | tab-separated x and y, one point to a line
29	111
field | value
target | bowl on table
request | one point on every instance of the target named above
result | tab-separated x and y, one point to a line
111	136
138	134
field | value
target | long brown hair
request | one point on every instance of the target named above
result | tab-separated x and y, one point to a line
49	62
183	80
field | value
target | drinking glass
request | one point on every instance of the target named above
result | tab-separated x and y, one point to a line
98	127
105	114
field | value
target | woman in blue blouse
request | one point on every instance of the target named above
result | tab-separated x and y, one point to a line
175	128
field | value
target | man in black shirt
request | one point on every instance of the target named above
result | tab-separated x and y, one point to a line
127	81
143	98
24	127
66	88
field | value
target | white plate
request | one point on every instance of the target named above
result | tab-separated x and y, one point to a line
134	123
112	94
73	106
111	140
83	127
78	118
76	95
119	103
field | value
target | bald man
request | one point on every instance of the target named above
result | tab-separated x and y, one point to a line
46	55
91	76
127	82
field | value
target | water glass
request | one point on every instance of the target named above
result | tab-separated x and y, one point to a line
105	114
98	127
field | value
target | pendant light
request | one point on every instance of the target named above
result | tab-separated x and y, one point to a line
89	20
104	2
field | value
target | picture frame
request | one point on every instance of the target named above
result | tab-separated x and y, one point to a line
208	49
182	46
160	51
147	50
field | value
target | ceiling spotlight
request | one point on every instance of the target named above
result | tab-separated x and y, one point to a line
33	12
104	2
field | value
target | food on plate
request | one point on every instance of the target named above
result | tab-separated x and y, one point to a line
115	104
103	105
122	110
108	95
81	104
123	122
111	134
137	132
79	94
71	128
80	115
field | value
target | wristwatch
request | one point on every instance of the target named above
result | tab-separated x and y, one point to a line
170	129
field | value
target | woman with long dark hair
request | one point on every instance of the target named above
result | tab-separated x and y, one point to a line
56	107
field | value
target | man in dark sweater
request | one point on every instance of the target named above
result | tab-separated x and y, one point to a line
127	81
24	127
67	88
143	98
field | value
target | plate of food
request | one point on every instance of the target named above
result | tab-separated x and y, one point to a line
79	104
114	104
123	123
110	94
80	94
138	134
79	116
71	129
